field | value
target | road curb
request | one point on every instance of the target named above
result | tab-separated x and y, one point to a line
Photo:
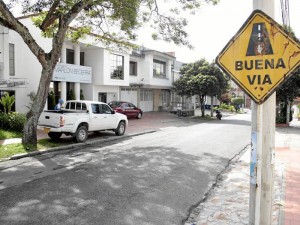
75	146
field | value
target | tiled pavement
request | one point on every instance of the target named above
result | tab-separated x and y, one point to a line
228	202
288	153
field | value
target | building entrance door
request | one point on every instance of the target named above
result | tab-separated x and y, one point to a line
102	97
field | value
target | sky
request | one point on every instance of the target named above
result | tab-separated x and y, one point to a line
213	26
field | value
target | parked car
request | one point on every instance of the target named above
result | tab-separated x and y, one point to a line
126	108
80	117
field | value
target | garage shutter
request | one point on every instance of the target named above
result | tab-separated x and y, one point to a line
146	100
129	95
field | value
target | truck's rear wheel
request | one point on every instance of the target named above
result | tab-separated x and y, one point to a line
55	136
120	129
81	134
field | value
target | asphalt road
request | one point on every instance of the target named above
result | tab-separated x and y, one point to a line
151	179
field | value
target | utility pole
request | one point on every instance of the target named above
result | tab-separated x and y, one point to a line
247	59
262	148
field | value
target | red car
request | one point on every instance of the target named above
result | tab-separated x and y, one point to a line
126	108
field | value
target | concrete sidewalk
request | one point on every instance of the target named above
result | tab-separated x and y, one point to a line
228	201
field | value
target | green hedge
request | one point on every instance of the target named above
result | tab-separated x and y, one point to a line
12	121
224	106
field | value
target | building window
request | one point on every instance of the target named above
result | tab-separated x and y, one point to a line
11	60
117	67
70	56
159	69
133	68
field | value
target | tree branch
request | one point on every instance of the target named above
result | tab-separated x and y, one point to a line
50	17
5	23
64	22
13	24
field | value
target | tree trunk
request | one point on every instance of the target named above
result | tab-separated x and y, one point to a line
201	100
288	110
211	106
30	127
29	131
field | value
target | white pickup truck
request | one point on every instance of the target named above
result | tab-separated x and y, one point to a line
79	117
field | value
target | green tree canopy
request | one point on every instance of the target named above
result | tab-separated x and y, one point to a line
202	79
288	91
285	95
291	88
237	102
108	21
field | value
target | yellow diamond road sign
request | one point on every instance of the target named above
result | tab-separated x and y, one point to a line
260	57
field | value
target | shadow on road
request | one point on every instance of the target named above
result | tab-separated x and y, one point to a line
150	185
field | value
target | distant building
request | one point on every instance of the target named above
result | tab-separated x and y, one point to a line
236	91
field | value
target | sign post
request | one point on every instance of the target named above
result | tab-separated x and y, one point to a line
260	58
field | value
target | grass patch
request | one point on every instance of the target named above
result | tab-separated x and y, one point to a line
5	134
9	150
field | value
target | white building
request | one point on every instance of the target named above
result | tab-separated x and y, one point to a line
86	71
151	78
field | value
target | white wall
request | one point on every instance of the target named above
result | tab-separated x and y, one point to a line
95	59
99	60
107	79
138	79
112	92
27	68
45	43
147	70
87	91
4	49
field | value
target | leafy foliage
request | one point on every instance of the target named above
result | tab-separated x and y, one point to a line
81	95
51	100
114	21
32	97
7	101
226	98
224	106
285	94
281	114
71	95
201	78
12	121
237	102
290	89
